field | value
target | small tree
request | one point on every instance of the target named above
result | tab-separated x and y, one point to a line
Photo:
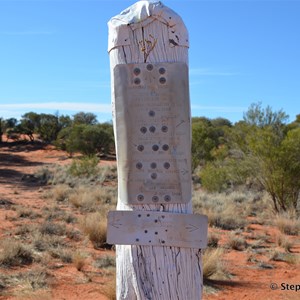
83	118
87	139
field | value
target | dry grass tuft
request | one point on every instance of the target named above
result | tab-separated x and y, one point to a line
213	240
287	225
284	242
95	227
24	284
213	266
79	260
289	258
45	242
236	243
105	262
14	253
53	229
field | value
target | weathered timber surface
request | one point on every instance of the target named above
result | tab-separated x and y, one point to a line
149	32
157	229
153	124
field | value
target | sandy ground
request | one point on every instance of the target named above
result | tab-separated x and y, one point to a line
248	279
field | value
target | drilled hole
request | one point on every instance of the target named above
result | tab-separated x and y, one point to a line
136	71
155	147
167	165
167	198
165	147
155	198
153	175
152	129
143	130
151	113
162	80
140	197
137	81
153	165
149	67
164	128
139	165
162	71
141	148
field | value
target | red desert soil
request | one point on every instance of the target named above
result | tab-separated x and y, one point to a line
249	279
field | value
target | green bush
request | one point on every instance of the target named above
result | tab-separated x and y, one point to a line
85	166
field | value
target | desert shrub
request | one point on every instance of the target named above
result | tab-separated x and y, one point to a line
286	225
74	235
61	192
87	139
86	166
79	260
213	240
213	265
25	282
284	257
44	242
214	179
222	210
61	253
104	262
24	212
25	229
53	228
93	199
236	243
95	227
14	253
227	221
61	175
284	242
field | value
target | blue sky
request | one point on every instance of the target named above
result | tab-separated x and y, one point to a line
53	55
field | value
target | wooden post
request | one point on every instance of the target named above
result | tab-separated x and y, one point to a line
157	238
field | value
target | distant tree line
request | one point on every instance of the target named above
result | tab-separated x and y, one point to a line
80	133
262	150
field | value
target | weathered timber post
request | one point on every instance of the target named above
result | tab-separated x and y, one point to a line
158	239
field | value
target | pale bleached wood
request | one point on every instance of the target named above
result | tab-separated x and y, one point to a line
148	272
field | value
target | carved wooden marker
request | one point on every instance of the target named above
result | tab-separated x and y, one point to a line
157	229
157	238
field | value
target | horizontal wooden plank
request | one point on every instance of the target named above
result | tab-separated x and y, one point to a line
157	229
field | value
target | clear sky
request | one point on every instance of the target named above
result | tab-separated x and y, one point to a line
53	55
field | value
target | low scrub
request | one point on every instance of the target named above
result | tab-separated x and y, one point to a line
284	242
287	225
95	227
285	257
224	211
213	265
104	262
25	283
79	260
86	166
51	228
14	253
213	240
236	243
